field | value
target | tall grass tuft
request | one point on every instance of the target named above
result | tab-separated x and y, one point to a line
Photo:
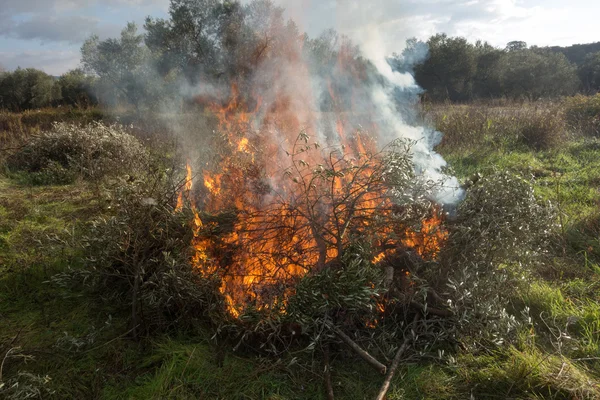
582	114
535	126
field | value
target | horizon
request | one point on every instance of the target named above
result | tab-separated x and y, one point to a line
49	38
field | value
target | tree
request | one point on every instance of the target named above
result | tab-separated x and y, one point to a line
516	45
589	72
487	81
457	70
25	89
536	73
77	89
448	72
189	41
123	67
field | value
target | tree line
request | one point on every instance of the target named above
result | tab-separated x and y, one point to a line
219	42
457	70
26	89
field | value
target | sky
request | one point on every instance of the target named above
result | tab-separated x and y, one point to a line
47	34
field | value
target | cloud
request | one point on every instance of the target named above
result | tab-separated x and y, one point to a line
69	21
38	6
50	61
71	29
383	25
399	20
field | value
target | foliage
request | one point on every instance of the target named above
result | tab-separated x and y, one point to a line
122	67
25	89
26	386
457	70
77	89
543	129
537	126
91	152
553	353
589	73
217	41
29	89
578	52
139	258
448	72
349	293
533	73
500	232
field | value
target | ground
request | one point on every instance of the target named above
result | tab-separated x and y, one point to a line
84	350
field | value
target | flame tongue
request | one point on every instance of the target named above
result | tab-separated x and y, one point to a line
296	206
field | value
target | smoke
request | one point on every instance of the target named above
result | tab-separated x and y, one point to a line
330	87
389	96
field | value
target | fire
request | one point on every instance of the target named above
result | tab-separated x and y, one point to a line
277	206
187	186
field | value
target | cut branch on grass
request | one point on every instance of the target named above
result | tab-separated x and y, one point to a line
372	361
395	363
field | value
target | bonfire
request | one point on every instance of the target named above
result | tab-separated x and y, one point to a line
293	189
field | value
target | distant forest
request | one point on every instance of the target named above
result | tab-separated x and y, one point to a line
459	71
228	43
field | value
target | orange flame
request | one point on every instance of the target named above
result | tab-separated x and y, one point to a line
274	228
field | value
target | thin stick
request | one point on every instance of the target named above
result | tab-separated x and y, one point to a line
363	354
395	362
328	384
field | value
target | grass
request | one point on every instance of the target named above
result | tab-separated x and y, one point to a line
84	348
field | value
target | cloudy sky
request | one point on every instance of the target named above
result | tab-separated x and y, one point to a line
47	34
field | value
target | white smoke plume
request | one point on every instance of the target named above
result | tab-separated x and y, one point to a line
392	96
331	105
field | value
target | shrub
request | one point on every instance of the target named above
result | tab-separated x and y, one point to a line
582	114
543	129
91	152
501	231
139	258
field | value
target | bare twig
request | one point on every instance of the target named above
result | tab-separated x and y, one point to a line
327	373
358	350
395	362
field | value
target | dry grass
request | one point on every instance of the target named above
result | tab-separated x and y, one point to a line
534	125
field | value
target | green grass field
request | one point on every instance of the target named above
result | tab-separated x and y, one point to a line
60	343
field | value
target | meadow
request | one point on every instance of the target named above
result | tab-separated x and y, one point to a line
59	341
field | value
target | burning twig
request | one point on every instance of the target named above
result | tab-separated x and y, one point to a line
379	367
395	362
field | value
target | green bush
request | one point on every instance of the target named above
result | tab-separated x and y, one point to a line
139	258
91	152
500	233
582	114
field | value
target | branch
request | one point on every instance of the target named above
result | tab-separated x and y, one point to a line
362	353
395	362
327	373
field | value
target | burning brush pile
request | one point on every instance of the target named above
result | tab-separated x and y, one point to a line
329	225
